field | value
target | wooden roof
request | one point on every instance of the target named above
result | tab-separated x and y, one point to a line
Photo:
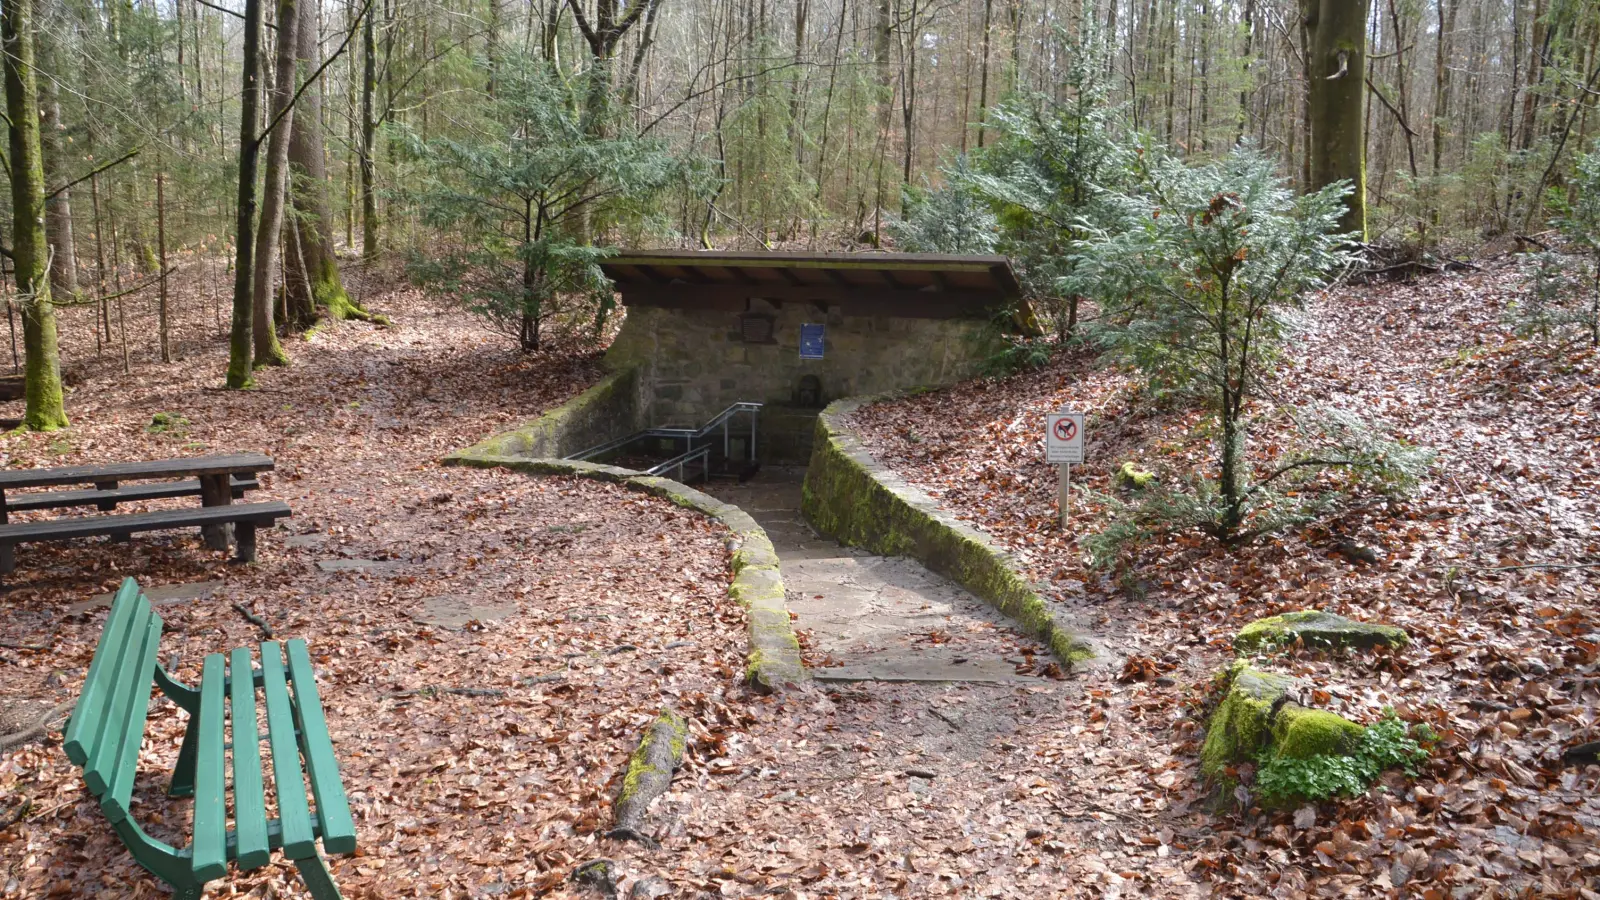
923	285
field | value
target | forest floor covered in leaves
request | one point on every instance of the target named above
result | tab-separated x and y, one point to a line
1491	566
608	605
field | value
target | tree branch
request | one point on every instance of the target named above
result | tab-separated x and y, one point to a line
349	35
92	172
1390	107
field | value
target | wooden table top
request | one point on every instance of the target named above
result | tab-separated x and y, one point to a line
230	464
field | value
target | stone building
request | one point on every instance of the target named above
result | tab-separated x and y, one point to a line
791	331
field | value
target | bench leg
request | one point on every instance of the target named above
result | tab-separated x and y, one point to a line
314	871
183	773
106	505
215	491
8	558
245	532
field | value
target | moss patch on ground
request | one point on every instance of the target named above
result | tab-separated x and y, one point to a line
850	497
1317	630
1300	754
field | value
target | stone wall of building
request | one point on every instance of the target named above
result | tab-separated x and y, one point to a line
697	362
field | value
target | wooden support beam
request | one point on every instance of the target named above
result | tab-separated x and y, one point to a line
853	301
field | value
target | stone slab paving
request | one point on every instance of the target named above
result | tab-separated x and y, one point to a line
159	595
455	611
872	618
370	566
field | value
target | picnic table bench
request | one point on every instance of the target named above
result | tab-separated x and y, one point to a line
107	728
218	480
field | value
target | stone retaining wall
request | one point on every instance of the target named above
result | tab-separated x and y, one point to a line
613	407
849	496
774	657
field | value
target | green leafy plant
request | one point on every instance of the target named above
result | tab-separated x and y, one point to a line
1020	354
522	188
950	218
1387	744
1200	280
1564	290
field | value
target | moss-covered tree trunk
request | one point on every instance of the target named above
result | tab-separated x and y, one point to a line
309	174
1338	72
264	334
239	346
44	409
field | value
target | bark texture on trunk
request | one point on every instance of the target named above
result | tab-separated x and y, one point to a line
45	409
649	775
58	210
1338	71
263	331
309	182
240	367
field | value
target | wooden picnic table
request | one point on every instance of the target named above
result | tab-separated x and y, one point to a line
216	475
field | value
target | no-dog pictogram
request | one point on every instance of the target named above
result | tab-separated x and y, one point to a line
1063	437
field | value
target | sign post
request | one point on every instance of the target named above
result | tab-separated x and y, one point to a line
1063	445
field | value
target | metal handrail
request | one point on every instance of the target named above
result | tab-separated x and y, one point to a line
689	434
679	461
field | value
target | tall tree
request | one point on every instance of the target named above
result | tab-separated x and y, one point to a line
1338	73
240	365
369	130
264	334
308	170
58	209
44	408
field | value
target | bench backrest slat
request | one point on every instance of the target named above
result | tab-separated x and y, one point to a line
88	717
133	676
209	848
129	726
249	792
294	813
333	810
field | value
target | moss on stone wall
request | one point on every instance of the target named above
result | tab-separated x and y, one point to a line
850	497
608	409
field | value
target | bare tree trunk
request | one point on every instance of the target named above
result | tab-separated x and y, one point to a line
263	331
1338	63
163	320
239	362
369	129
309	174
1536	52
57	210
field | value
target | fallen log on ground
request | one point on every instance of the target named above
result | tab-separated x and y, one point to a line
649	775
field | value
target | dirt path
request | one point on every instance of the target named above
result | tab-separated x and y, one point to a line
932	758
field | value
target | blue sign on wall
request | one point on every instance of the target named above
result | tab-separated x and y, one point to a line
811	341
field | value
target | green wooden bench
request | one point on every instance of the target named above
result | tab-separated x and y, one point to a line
107	728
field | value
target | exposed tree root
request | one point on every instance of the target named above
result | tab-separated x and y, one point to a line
27	734
649	775
257	621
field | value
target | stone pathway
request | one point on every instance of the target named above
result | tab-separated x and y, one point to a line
874	618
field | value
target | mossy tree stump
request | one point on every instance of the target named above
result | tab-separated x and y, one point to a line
1257	718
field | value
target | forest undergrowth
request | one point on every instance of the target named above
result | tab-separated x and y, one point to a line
1492	565
481	762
